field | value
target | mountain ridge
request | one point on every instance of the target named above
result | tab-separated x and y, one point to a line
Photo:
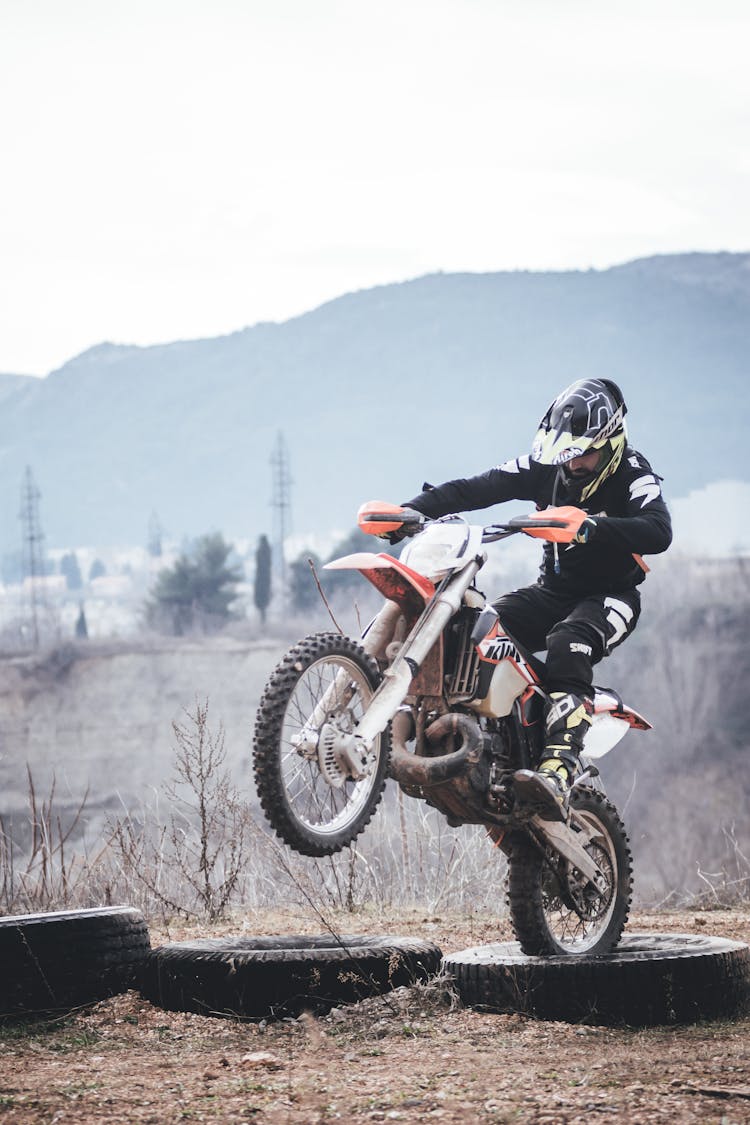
375	391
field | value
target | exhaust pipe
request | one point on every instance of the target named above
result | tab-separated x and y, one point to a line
414	769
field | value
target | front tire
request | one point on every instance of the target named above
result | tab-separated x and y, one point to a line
306	795
553	910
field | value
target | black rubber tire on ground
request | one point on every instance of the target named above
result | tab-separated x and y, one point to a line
58	961
529	880
649	979
269	753
273	977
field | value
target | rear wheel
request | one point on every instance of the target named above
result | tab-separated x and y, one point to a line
315	798
554	909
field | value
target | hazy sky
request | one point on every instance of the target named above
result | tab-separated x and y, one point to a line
174	169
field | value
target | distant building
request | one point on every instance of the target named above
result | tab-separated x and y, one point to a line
111	585
47	584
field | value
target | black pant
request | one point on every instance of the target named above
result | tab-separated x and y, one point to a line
576	631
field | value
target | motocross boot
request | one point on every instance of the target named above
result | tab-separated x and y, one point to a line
568	720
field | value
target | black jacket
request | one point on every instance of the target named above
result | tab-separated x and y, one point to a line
632	519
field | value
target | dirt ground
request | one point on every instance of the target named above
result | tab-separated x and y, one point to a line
413	1056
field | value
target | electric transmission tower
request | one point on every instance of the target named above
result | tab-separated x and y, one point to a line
32	551
281	505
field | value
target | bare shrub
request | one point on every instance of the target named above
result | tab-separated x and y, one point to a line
196	848
38	870
191	864
410	860
729	886
685	785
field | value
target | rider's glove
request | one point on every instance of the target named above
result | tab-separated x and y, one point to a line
394	536
412	523
586	531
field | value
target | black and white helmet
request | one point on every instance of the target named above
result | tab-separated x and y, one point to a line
588	415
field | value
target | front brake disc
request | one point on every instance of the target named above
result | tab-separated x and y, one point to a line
329	760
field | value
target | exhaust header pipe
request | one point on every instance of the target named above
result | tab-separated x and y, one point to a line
414	769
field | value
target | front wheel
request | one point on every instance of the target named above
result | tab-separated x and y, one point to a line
554	910
311	706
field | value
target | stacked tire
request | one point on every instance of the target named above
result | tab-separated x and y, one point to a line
276	977
648	979
57	961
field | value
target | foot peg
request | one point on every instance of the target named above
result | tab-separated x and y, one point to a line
542	791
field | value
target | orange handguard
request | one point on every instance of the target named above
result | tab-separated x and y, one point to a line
569	517
372	517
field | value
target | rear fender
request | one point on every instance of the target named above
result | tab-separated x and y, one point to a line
608	702
611	721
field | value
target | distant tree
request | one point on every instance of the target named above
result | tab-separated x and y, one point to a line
82	630
262	592
302	588
97	570
154	545
70	569
197	592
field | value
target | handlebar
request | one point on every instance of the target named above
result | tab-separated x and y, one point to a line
490	534
520	523
563	523
496	531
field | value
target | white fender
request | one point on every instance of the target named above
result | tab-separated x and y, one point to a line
611	721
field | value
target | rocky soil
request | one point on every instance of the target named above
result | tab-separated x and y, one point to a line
413	1056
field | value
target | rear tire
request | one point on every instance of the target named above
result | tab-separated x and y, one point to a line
305	807
553	911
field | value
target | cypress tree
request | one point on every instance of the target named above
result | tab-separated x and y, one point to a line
262	591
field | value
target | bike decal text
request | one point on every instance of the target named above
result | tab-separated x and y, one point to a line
499	649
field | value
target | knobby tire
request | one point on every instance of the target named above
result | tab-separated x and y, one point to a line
529	881
268	749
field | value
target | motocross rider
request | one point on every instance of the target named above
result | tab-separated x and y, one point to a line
586	600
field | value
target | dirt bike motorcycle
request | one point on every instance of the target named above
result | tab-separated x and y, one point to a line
440	698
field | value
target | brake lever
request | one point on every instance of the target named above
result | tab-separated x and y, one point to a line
495	531
523	523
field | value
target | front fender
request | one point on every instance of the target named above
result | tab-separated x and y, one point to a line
395	580
411	591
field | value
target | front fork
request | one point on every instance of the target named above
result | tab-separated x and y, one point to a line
339	694
425	633
352	751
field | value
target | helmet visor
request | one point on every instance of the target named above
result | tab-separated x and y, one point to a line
555	447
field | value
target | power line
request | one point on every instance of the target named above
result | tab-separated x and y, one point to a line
281	505
32	550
